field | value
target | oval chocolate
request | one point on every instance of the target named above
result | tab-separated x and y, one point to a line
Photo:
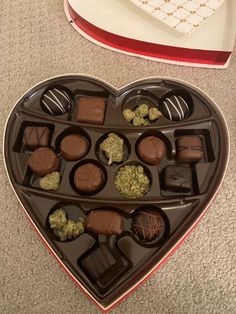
105	222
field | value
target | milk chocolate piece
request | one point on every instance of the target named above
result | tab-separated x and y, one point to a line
74	147
91	110
148	225
36	136
105	222
178	178
89	178
151	150
189	148
43	161
103	266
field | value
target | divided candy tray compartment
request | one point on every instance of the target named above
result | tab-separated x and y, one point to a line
107	266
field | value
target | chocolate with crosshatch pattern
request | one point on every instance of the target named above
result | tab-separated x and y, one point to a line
179	209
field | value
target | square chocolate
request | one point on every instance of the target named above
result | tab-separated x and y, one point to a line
178	178
91	110
36	136
103	266
189	148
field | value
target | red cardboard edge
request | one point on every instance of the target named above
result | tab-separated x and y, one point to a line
147	49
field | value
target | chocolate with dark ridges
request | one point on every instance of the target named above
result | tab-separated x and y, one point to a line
178	178
36	136
91	110
174	108
103	266
105	222
148	225
43	161
189	148
56	101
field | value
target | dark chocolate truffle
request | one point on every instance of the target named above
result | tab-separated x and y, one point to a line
148	225
56	101
105	222
189	148
74	147
178	178
174	108
43	161
89	178
36	136
104	266
91	110
151	150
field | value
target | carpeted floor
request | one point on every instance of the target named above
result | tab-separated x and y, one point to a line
37	42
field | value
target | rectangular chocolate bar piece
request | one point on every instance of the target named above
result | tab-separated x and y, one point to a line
103	266
178	178
189	148
36	136
91	110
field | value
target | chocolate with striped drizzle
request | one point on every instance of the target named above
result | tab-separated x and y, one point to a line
56	101
174	108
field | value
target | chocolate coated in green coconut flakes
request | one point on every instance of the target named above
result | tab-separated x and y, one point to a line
64	228
132	181
113	146
57	219
51	181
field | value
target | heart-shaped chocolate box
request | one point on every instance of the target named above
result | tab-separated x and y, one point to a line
126	259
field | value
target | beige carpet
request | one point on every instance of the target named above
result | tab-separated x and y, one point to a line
37	42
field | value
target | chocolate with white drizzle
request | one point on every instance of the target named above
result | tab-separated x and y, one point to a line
174	108
56	101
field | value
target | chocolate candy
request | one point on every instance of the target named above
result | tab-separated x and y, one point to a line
148	225
36	136
43	161
56	101
74	147
89	178
104	266
189	148
105	222
178	178
151	150
91	110
174	108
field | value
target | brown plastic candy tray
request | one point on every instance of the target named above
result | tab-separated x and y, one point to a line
107	267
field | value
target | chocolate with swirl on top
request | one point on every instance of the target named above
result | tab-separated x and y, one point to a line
189	148
148	224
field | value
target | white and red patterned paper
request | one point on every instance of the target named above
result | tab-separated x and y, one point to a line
183	15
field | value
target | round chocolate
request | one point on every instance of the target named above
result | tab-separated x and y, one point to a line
74	147
148	225
43	161
151	150
56	101
89	178
174	108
